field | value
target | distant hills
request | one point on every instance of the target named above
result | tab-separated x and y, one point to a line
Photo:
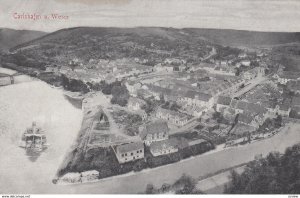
150	45
10	37
225	37
246	38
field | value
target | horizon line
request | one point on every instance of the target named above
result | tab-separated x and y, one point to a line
168	27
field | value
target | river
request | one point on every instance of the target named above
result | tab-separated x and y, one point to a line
20	104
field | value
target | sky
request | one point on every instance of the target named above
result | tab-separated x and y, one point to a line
257	15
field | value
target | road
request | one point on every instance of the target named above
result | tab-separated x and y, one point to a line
252	84
217	181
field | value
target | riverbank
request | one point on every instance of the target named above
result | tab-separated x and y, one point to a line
215	184
196	167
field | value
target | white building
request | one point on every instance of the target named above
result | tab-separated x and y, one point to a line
164	147
129	152
135	104
155	131
197	99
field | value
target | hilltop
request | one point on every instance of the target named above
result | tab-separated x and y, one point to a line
246	38
10	37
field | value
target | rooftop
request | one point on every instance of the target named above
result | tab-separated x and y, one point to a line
154	127
198	95
164	144
173	113
224	100
134	101
130	147
289	75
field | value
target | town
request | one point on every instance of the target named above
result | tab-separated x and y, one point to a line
150	100
146	116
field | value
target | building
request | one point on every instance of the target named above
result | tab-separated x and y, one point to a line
160	68
5	79
246	63
142	113
164	147
159	92
197	99
223	102
242	55
250	74
174	61
284	77
155	131
135	104
194	110
253	73
247	119
294	86
133	87
176	118
129	152
283	110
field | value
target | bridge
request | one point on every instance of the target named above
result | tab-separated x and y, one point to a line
9	77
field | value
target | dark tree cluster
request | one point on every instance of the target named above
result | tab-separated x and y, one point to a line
275	174
184	185
120	95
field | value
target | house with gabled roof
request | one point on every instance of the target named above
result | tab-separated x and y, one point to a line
164	147
154	131
129	152
135	104
158	92
248	119
176	118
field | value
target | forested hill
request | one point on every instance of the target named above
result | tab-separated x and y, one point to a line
246	38
10	37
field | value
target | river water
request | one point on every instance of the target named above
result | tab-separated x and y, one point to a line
21	104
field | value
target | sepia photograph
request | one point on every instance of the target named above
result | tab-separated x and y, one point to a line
139	97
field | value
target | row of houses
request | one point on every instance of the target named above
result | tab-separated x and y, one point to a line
132	71
287	76
155	136
194	103
215	69
253	73
169	68
251	114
